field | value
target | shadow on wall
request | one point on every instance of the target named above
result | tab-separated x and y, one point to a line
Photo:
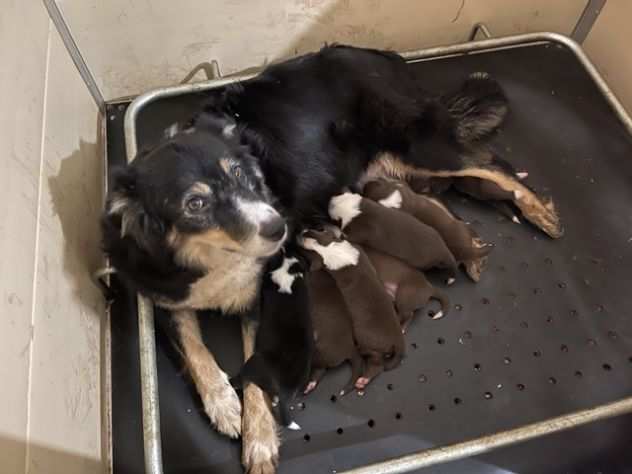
42	459
76	193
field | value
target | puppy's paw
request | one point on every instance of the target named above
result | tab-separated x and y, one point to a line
475	268
310	387
223	407
540	212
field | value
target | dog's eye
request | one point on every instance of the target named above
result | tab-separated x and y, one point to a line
196	204
237	171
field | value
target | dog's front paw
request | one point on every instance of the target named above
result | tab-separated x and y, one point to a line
223	407
260	440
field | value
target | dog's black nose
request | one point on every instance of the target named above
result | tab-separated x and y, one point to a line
273	229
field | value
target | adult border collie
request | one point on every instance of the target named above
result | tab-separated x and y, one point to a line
191	221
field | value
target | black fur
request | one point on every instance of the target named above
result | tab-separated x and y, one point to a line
313	124
284	342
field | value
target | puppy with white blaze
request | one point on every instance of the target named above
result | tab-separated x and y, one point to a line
191	221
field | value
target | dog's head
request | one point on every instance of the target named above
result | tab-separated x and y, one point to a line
198	192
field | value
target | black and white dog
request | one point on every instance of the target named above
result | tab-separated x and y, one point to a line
191	221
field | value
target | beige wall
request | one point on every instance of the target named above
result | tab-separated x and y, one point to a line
50	410
135	46
608	46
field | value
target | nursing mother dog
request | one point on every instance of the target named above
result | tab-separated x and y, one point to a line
191	221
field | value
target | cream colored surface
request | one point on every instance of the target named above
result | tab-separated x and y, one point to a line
22	83
608	45
135	46
50	182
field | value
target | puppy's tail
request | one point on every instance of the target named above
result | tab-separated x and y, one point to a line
257	371
478	108
444	301
357	367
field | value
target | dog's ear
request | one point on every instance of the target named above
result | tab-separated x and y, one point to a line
125	211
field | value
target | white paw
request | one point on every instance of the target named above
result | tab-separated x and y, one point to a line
223	407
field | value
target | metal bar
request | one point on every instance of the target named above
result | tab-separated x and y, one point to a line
151	425
58	20
480	27
587	19
485	444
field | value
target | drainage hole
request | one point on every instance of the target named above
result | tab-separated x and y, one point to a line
485	300
431	407
389	386
524	265
458	307
413	345
552	380
613	335
549	319
599	308
301	406
398	416
449	373
495	329
307	437
564	348
339	431
520	387
591	342
457	401
524	324
578	374
548	261
574	313
537	353
371	423
561	285
488	395
422	378
537	291
440	341
333	399
630	359
507	360
477	367
607	367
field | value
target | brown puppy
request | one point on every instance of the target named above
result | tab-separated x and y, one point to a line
333	332
409	288
375	324
396	233
463	242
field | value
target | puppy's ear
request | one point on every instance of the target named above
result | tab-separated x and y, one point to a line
125	211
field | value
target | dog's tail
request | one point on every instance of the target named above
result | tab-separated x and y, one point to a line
357	367
478	108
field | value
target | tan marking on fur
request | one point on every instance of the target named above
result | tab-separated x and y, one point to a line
232	280
540	212
260	437
220	401
200	188
225	163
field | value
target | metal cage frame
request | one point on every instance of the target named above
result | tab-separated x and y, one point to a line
429	457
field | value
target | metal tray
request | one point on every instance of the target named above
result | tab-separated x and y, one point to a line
543	335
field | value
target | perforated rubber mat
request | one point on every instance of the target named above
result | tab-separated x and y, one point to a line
546	332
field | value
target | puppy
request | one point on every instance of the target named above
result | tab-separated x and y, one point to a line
375	324
284	342
409	288
388	230
333	332
460	238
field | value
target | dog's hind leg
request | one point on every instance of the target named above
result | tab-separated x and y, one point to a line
260	439
220	401
314	377
480	164
357	366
